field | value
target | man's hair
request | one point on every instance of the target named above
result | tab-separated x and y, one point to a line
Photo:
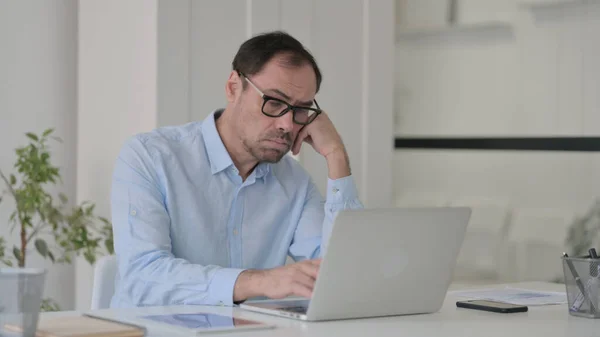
260	49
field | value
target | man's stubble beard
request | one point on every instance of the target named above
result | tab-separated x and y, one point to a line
258	152
261	153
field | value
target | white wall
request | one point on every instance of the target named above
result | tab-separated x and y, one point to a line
117	98
173	62
38	55
538	76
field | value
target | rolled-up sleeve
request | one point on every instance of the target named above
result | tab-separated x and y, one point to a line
149	273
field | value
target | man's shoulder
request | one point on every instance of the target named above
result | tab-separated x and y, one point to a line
170	134
168	140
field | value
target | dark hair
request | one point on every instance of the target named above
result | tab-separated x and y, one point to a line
260	49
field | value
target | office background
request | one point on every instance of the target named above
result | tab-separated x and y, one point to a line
100	71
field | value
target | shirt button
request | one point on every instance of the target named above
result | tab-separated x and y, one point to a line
133	212
235	232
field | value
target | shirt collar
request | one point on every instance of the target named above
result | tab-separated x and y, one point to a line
262	170
217	153
218	156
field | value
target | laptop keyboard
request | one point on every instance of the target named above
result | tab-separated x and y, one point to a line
300	310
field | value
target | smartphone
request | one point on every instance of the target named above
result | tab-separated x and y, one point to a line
491	306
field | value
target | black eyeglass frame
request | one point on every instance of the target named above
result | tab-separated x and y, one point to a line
266	98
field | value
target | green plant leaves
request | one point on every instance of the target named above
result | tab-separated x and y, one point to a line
3	258
76	231
89	210
89	256
32	136
42	247
11	220
47	132
17	253
49	304
109	245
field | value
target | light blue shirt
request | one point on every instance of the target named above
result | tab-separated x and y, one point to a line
185	225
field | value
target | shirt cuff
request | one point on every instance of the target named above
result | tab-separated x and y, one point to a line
341	191
221	286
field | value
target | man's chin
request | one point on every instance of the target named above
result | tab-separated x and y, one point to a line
271	155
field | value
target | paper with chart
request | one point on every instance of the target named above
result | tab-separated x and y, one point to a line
515	296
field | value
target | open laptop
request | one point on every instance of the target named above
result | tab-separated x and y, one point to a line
381	262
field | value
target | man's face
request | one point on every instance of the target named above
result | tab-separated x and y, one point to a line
267	138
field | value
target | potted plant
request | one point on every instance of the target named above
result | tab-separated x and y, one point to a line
38	214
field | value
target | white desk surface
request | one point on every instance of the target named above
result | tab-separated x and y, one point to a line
553	320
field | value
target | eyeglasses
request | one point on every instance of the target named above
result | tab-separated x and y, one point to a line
274	107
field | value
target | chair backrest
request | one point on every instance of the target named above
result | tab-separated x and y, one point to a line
104	282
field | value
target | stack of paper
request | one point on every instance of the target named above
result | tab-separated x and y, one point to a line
515	296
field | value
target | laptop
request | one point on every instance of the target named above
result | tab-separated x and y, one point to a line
381	262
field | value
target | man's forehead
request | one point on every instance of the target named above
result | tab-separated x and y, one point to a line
289	82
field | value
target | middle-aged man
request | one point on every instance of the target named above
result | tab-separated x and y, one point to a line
207	212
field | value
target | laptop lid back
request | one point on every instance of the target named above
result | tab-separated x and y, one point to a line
393	261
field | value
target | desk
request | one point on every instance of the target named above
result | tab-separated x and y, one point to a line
547	321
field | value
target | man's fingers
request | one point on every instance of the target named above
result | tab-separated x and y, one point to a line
314	262
297	144
309	140
310	269
301	290
305	280
299	139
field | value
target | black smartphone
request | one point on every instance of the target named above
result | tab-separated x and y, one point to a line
492	306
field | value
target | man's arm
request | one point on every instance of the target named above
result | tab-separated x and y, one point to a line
308	245
315	224
149	273
341	189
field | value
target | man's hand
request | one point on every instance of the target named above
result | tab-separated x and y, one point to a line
324	138
296	279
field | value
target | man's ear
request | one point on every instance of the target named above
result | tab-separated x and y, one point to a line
233	87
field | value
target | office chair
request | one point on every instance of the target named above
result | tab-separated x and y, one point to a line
104	282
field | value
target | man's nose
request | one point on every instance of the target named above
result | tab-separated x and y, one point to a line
286	122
